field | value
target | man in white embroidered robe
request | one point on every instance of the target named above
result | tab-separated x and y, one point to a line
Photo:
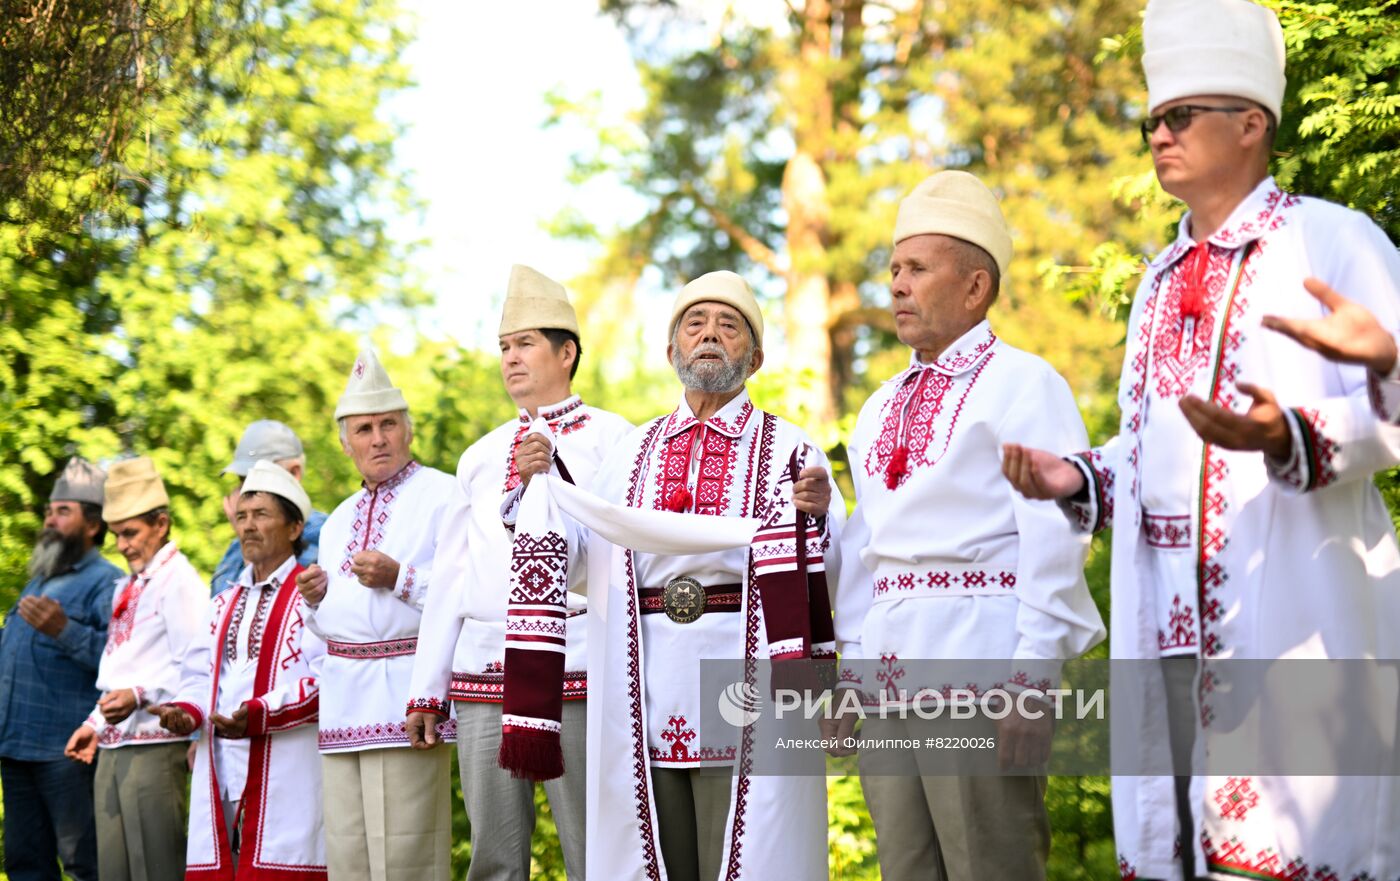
157	611
462	656
652	801
365	599
249	684
1000	579
1239	482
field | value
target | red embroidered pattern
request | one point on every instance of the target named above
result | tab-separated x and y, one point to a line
1231	856
124	616
488	687
908	431
113	735
1181	345
410	578
360	651
718	453
762	463
890	676
255	630
428	704
943	580
1171	532
376	734
1236	798
641	773
1320	450
372	510
1183	628
1126	870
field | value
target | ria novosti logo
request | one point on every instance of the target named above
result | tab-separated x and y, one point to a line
739	704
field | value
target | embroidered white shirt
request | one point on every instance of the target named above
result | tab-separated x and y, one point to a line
164	605
371	633
238	670
461	645
942	559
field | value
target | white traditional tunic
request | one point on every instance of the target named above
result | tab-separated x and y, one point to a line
644	688
371	634
950	562
259	653
461	645
1218	553
155	615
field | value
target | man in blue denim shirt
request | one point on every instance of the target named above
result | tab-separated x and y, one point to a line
50	645
274	441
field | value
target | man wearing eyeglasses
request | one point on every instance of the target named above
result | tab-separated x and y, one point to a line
1246	526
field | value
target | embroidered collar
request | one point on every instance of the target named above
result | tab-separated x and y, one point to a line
730	421
245	578
554	412
1249	221
963	355
403	474
162	556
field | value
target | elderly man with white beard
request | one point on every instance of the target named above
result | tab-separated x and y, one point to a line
49	651
718	456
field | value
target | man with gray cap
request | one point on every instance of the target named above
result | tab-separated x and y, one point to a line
266	439
50	647
1239	484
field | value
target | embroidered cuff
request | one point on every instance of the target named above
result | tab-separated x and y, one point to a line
1030	674
195	712
411	585
1293	471
434	705
140	694
1384	391
510	507
1086	508
95	720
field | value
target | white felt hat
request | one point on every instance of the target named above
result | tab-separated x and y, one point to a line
369	389
721	286
956	204
534	301
1213	47
269	477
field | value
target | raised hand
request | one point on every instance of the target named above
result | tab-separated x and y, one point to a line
1262	429
1349	333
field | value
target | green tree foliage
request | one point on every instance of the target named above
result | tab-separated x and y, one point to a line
783	154
219	289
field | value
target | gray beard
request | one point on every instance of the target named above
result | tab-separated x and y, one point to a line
704	377
54	553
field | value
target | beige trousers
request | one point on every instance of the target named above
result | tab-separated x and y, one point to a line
388	814
139	796
951	828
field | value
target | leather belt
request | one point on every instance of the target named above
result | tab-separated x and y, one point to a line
684	599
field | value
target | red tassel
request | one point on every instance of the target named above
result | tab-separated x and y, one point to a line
1193	298
898	467
535	756
679	500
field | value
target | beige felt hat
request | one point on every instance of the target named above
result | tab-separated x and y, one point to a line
1212	47
721	286
534	301
81	481
956	204
369	389
133	488
269	477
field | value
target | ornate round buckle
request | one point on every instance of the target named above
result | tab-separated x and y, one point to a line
683	599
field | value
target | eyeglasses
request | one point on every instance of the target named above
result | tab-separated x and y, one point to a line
1179	117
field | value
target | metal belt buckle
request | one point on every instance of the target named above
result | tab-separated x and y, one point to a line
683	599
